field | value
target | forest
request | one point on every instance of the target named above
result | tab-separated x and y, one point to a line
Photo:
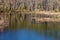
31	5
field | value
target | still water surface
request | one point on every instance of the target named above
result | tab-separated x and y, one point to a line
23	34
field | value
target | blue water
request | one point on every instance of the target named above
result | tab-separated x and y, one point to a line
23	35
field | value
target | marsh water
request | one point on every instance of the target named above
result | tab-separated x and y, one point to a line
19	29
24	34
42	31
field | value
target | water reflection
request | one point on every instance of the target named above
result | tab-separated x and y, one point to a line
24	34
